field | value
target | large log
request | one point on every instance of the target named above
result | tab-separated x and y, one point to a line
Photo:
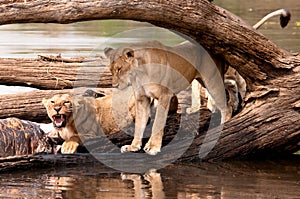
28	105
47	72
218	30
269	121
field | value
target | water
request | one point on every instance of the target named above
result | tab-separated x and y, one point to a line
255	179
266	179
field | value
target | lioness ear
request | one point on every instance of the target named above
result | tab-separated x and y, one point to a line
128	52
108	52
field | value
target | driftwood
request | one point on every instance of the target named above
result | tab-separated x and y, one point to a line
29	105
49	72
20	137
269	121
26	105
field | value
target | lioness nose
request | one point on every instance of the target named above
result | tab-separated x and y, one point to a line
57	109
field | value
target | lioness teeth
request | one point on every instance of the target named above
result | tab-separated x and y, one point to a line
59	119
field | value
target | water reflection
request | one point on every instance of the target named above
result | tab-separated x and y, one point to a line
256	179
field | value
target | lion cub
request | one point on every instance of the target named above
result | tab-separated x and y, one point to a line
59	110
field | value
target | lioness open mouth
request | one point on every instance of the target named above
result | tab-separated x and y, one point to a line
59	120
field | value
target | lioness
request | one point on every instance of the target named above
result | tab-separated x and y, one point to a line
158	71
65	110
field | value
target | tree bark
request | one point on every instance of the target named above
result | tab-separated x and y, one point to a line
49	72
269	121
28	106
218	30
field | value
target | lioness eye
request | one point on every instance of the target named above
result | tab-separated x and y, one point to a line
52	102
67	102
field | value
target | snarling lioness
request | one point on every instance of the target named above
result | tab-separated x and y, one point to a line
68	112
73	116
59	110
157	71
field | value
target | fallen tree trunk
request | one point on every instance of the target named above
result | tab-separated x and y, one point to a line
48	72
208	24
28	106
269	121
101	149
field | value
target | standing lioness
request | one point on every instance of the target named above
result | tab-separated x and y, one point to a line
157	71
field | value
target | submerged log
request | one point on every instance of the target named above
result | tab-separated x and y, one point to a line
269	121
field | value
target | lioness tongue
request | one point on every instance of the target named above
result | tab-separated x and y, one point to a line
59	119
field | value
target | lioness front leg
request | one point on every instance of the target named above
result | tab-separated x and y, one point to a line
142	110
153	146
71	145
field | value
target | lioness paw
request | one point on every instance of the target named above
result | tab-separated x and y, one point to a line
130	148
151	150
193	109
69	147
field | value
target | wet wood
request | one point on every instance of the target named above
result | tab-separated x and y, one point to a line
14	163
269	121
20	137
52	72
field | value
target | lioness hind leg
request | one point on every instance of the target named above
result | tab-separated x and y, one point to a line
153	146
210	103
142	110
196	97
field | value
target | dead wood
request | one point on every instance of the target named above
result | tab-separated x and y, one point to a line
51	72
28	106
